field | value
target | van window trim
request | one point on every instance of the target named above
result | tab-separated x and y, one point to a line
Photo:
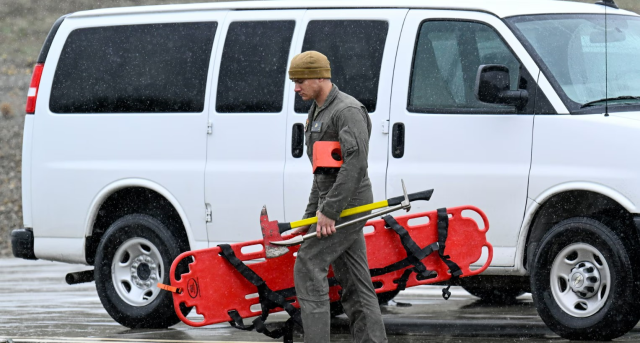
385	20
206	91
218	69
470	111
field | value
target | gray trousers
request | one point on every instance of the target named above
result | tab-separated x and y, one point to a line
346	251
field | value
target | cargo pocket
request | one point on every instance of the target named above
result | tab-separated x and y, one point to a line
318	290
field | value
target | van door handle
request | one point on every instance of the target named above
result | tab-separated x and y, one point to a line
397	140
297	140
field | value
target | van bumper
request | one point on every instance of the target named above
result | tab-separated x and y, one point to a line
22	244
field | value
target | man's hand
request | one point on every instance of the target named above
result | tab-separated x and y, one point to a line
301	230
326	226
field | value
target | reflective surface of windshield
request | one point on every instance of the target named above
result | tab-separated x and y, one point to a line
572	50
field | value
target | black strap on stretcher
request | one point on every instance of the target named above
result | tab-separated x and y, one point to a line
443	231
415	254
270	299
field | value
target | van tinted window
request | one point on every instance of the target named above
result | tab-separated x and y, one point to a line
446	61
254	66
134	68
354	49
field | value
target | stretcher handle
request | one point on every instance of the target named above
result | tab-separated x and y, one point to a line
424	195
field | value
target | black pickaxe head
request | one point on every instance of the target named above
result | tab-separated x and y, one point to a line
271	233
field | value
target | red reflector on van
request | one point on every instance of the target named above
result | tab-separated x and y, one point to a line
33	88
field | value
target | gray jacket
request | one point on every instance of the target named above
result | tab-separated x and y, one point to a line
346	120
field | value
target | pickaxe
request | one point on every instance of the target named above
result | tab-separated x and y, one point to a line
272	231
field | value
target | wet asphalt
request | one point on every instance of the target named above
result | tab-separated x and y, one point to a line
36	305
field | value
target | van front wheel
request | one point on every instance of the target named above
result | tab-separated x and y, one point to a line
582	282
135	254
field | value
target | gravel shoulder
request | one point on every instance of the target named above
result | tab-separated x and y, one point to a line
11	128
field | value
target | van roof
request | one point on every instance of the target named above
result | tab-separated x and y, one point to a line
500	8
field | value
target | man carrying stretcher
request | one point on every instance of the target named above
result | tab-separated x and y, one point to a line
222	287
338	117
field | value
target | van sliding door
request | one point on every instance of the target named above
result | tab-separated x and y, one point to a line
245	149
361	47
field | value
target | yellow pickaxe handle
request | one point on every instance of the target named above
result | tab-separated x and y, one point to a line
424	195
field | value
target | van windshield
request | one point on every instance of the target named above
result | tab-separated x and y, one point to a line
572	51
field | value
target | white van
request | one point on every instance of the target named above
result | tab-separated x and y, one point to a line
154	130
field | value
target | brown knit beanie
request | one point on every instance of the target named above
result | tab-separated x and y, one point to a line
310	65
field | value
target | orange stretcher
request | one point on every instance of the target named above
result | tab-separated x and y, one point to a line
222	292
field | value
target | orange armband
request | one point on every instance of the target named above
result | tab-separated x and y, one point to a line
327	157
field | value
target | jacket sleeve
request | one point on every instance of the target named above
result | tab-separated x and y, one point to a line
353	135
312	205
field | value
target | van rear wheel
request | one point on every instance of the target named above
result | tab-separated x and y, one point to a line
136	253
582	282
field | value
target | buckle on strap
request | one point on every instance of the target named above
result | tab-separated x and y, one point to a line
237	322
445	293
268	300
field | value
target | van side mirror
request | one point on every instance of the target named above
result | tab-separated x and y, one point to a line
493	86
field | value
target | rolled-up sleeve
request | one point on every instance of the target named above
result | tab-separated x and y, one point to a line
353	136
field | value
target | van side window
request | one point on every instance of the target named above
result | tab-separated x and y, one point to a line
254	66
133	69
445	65
354	48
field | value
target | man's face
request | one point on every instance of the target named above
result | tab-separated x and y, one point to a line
307	88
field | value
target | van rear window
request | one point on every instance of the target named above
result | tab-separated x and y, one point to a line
354	49
134	69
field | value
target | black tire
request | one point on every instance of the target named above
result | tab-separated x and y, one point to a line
579	312
494	294
336	309
139	232
384	298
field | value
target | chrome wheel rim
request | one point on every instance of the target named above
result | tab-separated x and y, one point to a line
580	280
135	270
